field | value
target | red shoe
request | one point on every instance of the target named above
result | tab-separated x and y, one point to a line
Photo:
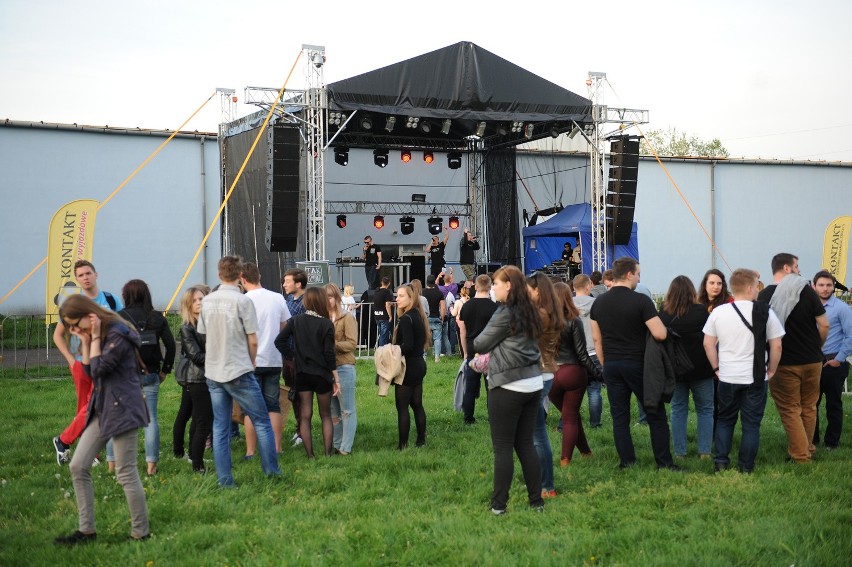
564	462
548	494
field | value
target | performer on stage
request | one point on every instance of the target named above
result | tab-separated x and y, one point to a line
436	253
372	257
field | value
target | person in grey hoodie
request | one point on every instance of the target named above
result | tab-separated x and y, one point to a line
583	300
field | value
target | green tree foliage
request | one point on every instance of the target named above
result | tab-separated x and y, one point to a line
673	143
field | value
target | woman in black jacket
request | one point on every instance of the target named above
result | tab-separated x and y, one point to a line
572	377
195	400
514	385
316	365
153	330
413	337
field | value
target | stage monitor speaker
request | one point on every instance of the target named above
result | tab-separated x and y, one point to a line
282	189
417	271
486	268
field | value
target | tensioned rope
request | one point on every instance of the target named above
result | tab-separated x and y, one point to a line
677	188
119	188
261	131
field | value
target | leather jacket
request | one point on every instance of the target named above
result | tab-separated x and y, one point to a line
572	349
514	356
193	346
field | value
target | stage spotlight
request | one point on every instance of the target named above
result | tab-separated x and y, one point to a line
336	118
480	129
454	222
574	131
425	126
380	157
379	222
406	225
418	197
454	160
367	123
528	131
501	129
436	225
554	131
341	221
445	126
341	156
517	126
405	156
390	122
428	157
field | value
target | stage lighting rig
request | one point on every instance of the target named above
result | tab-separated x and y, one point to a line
405	156
380	157
406	224
454	160
341	221
341	156
428	157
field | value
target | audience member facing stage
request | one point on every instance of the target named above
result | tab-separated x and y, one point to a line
583	301
294	283
713	290
473	318
344	417
413	336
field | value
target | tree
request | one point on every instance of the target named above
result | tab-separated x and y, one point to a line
673	143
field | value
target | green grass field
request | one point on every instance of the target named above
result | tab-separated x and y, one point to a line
425	506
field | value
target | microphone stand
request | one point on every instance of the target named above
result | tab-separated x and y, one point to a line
348	247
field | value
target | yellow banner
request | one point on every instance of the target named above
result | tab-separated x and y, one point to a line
70	238
835	248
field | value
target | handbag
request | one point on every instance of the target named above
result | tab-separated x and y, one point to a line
479	363
182	369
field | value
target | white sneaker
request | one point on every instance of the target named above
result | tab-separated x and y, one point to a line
96	462
297	440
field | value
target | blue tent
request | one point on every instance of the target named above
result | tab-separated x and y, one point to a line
543	243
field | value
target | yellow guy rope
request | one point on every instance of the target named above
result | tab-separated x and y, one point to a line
679	192
120	187
261	131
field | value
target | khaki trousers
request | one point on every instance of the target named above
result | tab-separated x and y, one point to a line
795	390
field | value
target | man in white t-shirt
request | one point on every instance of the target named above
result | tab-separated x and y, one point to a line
741	329
272	313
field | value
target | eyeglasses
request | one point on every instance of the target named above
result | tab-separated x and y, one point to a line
77	324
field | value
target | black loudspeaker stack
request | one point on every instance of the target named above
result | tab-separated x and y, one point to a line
621	192
417	271
282	189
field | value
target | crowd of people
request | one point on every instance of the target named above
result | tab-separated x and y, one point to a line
540	344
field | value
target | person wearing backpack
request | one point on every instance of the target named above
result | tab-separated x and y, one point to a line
153	331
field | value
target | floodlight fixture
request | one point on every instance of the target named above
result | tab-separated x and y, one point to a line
454	160
428	156
454	222
501	129
379	222
390	122
528	131
406	224
380	157
425	126
341	155
341	221
436	225
574	131
445	126
480	129
405	156
412	122
336	118
517	126
418	197
554	131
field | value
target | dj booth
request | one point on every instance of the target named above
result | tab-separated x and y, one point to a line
561	269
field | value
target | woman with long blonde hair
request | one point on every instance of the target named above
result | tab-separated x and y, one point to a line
343	415
413	337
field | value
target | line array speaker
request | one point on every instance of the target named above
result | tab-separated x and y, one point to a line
621	191
282	188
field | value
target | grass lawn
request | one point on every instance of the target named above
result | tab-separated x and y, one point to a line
425	506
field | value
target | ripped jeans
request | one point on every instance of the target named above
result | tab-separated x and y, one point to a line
343	414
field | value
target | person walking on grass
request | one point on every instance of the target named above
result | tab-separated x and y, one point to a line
412	336
583	301
575	369
87	279
514	386
229	322
735	339
550	310
108	354
344	418
316	367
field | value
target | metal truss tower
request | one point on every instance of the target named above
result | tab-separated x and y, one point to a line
228	113
316	110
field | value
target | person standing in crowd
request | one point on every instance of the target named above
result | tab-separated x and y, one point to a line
316	368
348	298
153	331
583	302
108	353
417	286
464	297
467	254
436	249
382	301
575	369
195	400
344	417
450	290
550	311
835	369
735	339
795	387
272	314
621	319
437	312
598	286
87	279
473	318
371	255
682	313
713	291
229	322
412	336
294	283
514	386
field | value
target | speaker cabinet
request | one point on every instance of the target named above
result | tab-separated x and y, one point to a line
282	189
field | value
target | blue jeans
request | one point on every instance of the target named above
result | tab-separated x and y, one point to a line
702	397
382	332
372	275
747	402
151	389
435	327
246	391
343	410
540	438
472	386
593	391
447	342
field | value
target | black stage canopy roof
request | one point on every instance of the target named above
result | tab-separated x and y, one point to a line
462	83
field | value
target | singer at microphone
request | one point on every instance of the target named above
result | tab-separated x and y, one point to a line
372	257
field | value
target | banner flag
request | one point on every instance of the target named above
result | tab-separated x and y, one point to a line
835	248
70	238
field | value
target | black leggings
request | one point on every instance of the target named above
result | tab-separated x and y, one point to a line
306	414
202	423
184	414
410	396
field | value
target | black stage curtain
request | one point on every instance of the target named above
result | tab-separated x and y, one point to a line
501	201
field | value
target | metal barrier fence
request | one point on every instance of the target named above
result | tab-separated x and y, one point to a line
27	349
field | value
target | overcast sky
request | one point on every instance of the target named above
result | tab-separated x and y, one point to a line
770	79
